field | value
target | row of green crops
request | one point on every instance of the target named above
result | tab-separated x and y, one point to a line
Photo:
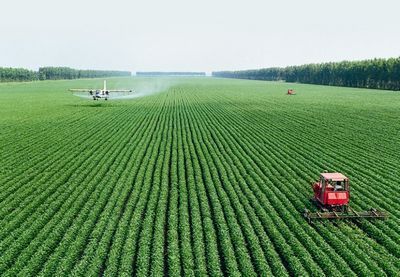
207	177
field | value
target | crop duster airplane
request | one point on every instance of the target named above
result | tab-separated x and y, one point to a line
99	93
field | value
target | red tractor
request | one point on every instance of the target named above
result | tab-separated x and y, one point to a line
291	92
332	196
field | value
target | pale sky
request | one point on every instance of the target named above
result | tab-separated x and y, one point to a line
188	35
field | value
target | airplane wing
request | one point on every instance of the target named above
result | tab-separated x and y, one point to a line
82	89
119	90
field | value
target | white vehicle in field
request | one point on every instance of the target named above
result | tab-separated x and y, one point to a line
100	93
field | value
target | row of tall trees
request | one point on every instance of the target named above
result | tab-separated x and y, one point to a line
8	74
374	73
166	73
56	73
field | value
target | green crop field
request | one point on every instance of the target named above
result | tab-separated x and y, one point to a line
206	176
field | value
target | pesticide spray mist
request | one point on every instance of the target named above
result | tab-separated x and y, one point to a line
146	87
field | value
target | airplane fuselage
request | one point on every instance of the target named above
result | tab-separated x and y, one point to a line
101	93
98	94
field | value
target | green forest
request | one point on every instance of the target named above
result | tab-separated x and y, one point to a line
8	74
373	73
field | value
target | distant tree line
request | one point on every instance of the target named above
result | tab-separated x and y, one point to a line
159	73
8	74
374	73
55	73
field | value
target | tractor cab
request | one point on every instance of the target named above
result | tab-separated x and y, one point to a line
332	190
332	195
291	92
